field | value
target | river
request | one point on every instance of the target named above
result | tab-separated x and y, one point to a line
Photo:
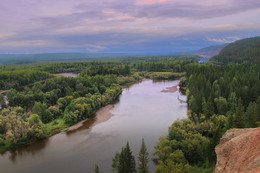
142	111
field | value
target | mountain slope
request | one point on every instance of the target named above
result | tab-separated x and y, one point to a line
211	50
242	50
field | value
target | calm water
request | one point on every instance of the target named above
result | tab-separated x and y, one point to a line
141	112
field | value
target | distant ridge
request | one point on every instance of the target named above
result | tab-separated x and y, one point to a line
206	51
240	51
211	50
46	57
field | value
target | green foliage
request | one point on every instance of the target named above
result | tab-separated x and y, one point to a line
42	110
143	158
96	169
161	75
170	166
36	127
124	162
55	126
239	119
20	77
16	126
106	69
240	51
221	105
122	80
229	83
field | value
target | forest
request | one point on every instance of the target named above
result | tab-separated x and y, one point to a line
45	108
219	98
40	104
245	50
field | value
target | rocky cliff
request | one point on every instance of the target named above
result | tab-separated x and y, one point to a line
239	152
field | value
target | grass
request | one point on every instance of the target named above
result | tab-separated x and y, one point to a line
55	126
161	75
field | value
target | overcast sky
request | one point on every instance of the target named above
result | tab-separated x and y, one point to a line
34	26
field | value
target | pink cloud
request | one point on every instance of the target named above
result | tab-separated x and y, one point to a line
202	2
147	2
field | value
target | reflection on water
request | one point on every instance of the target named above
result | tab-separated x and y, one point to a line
143	111
32	149
86	125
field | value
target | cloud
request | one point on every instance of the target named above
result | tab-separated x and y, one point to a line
116	25
148	2
191	9
94	48
224	40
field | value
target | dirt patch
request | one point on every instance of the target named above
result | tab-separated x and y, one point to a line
171	89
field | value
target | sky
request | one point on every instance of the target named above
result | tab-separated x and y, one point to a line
124	26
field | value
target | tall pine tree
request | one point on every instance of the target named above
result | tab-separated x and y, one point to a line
96	169
143	159
124	162
239	119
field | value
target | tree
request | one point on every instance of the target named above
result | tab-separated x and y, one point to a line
124	162
36	127
222	105
239	121
1	99
41	109
251	115
115	162
232	101
170	166
143	159
96	169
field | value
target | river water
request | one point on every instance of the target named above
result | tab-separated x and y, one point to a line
142	111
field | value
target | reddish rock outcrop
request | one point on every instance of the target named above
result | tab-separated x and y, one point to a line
239	152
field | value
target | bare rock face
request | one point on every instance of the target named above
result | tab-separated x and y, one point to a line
239	151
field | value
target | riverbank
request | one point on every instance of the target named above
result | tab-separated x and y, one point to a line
59	126
66	74
171	89
102	115
96	140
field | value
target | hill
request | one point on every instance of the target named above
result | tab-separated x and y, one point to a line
211	50
46	57
242	50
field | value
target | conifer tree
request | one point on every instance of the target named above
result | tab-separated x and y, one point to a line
124	162
96	169
251	115
239	120
143	159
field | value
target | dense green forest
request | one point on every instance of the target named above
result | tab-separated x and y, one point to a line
219	98
42	103
17	78
22	59
46	108
240	51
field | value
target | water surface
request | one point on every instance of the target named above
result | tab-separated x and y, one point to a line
143	111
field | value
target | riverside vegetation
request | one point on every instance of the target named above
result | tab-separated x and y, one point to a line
40	104
219	98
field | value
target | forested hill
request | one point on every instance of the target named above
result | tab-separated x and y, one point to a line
211	50
242	50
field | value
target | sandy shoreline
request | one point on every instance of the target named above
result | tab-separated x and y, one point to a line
67	74
102	115
171	89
